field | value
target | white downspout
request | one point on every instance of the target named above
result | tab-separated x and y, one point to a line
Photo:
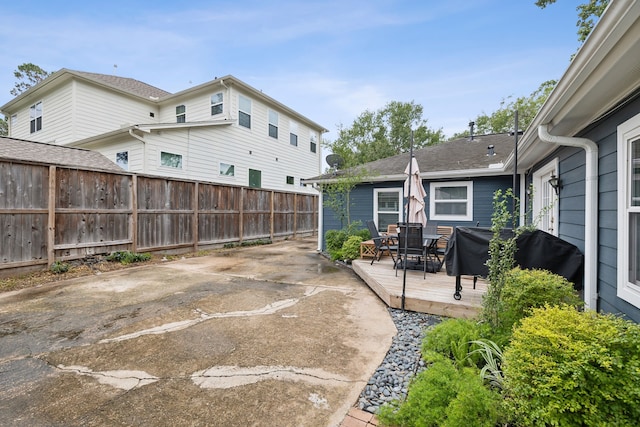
591	210
320	217
144	149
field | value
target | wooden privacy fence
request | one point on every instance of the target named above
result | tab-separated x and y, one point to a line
52	213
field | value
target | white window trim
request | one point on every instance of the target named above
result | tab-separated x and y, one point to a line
212	104
221	175
271	112
627	132
540	182
432	201
183	165
119	164
375	202
248	113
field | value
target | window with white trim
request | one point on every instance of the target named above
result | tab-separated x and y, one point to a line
273	124
313	142
181	114
122	159
35	114
227	169
217	106
244	111
170	160
629	211
293	133
387	204
451	201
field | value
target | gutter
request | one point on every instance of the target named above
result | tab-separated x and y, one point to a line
591	209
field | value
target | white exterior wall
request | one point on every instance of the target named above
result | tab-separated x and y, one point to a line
57	117
198	107
99	111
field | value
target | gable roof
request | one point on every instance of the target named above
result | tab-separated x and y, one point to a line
463	157
126	84
29	151
149	93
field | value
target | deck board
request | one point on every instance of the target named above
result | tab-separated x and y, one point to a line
433	294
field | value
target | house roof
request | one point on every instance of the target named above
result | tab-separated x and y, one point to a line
133	86
603	74
149	93
464	157
22	150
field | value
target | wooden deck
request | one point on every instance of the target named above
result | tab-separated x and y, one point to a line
433	295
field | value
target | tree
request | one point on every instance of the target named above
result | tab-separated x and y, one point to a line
587	15
28	75
379	134
502	120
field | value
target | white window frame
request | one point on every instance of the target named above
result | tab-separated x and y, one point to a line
35	113
273	123
432	201
180	166
376	211
217	100
181	117
313	142
244	109
124	166
224	166
628	132
545	201
293	133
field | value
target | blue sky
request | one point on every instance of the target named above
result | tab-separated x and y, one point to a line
328	60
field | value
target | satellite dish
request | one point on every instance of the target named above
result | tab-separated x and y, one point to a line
335	161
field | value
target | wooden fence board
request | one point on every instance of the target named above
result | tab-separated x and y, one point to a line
50	213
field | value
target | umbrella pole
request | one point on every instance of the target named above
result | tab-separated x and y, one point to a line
404	264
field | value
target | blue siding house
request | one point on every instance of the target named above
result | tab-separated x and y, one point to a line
587	137
459	176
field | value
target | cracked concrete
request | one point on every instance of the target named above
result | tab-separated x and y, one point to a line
261	336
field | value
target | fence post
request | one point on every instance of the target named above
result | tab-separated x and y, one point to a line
295	215
133	233
51	217
195	204
272	215
241	214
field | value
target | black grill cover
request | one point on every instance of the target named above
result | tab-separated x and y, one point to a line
468	251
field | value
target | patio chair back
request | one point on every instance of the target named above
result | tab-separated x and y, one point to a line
412	234
381	243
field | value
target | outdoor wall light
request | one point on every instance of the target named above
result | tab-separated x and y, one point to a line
555	182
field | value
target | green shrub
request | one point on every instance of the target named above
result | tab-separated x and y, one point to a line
59	267
452	338
570	368
441	395
335	239
527	289
127	257
351	248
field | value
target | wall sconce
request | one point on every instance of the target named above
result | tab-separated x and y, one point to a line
555	182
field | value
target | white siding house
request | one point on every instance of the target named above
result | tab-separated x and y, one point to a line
221	131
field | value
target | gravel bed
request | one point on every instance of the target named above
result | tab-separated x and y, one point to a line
391	380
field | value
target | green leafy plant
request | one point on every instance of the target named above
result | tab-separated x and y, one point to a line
566	367
59	267
491	372
351	248
442	395
452	338
335	240
527	289
128	257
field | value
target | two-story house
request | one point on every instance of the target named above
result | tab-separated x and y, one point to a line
222	131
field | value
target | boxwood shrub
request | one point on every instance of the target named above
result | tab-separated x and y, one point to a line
565	367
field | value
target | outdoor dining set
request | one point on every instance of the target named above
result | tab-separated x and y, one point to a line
411	245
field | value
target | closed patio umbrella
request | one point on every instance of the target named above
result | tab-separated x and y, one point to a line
415	193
